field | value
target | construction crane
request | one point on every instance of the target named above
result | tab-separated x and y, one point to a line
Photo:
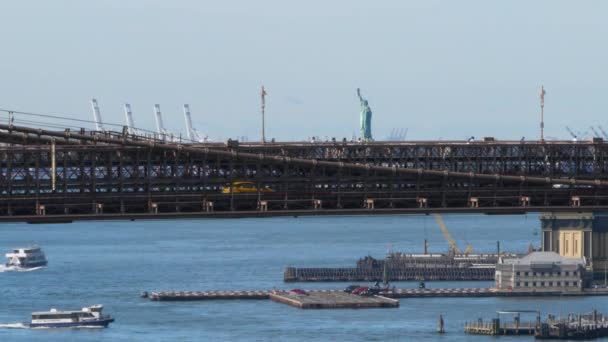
97	116
574	136
448	237
192	133
595	133
603	132
129	117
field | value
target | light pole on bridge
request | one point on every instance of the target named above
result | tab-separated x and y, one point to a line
542	113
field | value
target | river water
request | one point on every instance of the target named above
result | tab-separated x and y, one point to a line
110	263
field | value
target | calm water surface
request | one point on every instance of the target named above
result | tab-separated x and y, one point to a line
112	262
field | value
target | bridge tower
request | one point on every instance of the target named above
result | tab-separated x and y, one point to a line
576	235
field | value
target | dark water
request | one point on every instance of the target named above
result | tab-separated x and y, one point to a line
112	262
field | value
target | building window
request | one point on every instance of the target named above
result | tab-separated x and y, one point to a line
567	283
526	274
550	284
542	284
517	284
534	274
559	273
517	273
534	284
559	283
542	274
526	284
567	273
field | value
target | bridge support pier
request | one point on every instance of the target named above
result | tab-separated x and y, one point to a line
40	209
263	205
208	206
317	204
98	208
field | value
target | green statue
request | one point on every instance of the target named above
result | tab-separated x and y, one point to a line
365	118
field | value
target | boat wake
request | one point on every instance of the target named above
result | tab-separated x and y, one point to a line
4	268
70	327
14	326
27	326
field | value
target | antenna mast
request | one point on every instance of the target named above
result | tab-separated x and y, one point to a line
263	94
542	113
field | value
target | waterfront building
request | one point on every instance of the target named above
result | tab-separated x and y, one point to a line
578	235
540	272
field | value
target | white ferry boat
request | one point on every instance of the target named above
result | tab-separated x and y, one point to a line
86	317
28	257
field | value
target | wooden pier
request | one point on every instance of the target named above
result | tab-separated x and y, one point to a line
571	327
332	300
497	326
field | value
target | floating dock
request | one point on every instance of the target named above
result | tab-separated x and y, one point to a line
333	300
391	293
207	295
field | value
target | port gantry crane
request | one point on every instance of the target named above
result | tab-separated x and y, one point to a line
97	116
191	132
163	133
129	118
603	132
595	133
574	136
448	237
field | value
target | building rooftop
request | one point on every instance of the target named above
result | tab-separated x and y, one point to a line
543	258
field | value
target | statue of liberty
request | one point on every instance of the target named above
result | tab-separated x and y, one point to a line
365	118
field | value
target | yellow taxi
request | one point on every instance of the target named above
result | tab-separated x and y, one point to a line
243	187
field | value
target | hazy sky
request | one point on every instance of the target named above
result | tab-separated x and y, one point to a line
443	69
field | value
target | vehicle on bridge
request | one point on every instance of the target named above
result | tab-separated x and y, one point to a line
244	187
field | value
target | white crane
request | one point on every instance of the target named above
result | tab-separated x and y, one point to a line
97	116
192	133
129	117
160	127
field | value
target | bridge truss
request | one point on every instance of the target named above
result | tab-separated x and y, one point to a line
46	173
